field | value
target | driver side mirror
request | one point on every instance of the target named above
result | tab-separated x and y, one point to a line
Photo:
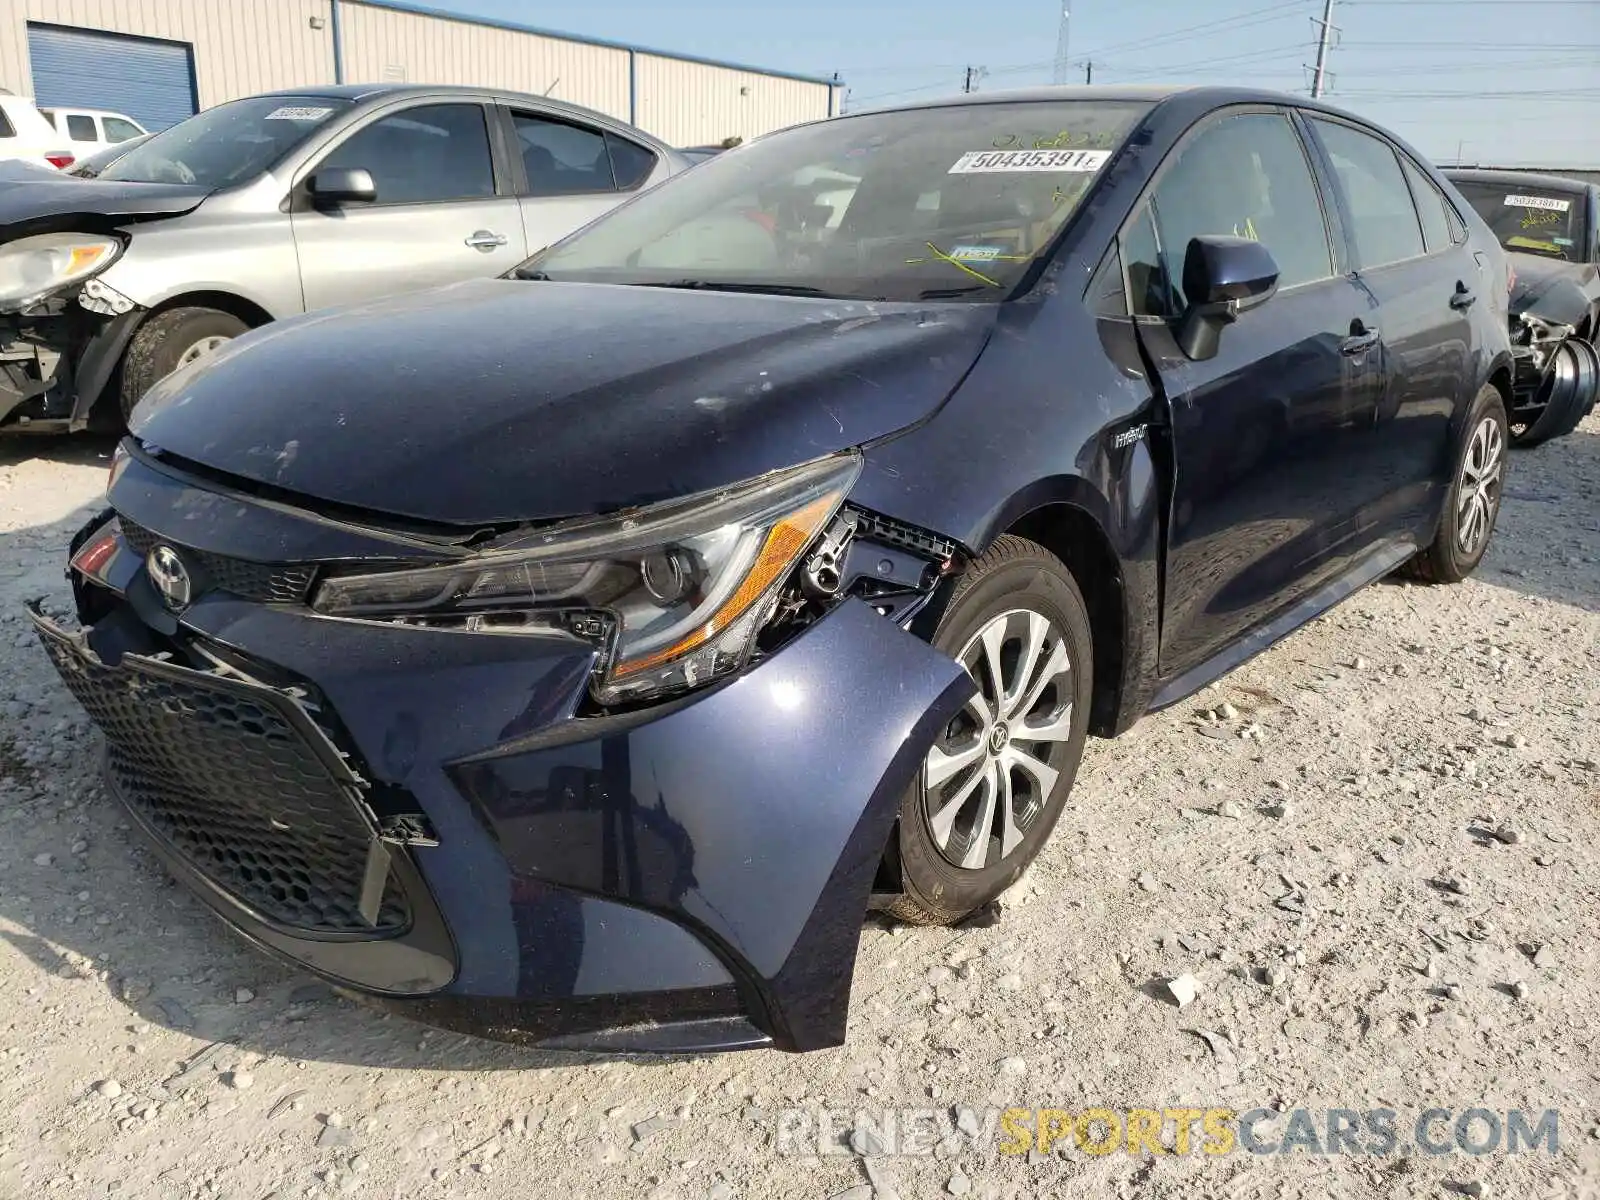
334	186
1222	277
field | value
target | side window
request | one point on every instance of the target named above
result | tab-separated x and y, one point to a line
1149	291
6	128
631	163
81	128
1431	207
562	159
1106	295
1246	176
1386	226
423	155
118	130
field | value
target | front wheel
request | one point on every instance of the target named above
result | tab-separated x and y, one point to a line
995	781
1473	502
170	340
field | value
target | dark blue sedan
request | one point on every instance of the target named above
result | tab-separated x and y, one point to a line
576	657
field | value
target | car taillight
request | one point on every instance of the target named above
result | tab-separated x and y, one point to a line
60	159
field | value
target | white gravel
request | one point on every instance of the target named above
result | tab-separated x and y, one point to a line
1307	875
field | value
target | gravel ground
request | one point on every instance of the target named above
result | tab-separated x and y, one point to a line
1380	863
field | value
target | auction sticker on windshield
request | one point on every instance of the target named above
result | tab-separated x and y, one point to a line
291	113
1538	202
978	161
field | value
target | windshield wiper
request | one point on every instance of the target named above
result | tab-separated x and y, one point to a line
719	285
946	293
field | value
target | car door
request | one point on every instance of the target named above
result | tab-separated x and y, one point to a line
442	213
571	172
1265	436
1410	252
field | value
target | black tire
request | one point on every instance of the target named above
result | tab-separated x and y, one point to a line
1569	391
1447	559
1022	579
161	343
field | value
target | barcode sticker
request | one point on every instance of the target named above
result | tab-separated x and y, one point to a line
979	161
1538	202
291	113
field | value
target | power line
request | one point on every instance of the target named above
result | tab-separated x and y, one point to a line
1238	21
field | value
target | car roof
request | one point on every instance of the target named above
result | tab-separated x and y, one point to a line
1534	179
361	93
84	112
1199	94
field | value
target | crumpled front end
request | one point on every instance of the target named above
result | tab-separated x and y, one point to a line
442	820
58	353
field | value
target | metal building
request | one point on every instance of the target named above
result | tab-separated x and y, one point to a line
160	60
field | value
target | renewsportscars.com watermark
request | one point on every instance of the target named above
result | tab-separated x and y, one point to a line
1099	1131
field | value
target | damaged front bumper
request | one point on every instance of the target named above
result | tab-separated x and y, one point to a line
422	816
58	355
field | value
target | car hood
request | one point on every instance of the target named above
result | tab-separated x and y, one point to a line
502	401
31	195
1548	287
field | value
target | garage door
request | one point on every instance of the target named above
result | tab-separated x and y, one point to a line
151	81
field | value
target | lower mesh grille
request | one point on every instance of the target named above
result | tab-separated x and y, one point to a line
271	583
240	781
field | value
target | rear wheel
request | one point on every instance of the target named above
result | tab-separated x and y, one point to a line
994	783
1473	502
170	340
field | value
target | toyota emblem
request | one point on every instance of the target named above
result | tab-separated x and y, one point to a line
170	576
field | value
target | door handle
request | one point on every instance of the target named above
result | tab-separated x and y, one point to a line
486	240
1464	297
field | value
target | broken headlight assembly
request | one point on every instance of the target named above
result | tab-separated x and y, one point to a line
677	592
33	267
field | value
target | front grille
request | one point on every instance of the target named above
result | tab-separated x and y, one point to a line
270	583
241	782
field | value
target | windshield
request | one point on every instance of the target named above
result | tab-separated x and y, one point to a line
228	144
1528	219
953	202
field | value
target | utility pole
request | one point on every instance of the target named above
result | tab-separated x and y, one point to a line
974	74
1088	71
1319	81
1063	68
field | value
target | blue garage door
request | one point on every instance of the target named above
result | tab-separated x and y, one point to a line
151	81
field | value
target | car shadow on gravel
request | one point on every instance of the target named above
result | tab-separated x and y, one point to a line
84	901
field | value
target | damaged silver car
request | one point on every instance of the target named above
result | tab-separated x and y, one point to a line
275	205
1551	229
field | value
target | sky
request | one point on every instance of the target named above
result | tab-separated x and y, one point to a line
1504	82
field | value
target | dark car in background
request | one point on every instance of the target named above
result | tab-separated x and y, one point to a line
1551	228
575	657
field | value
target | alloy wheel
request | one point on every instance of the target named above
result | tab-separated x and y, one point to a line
990	774
201	349
1478	496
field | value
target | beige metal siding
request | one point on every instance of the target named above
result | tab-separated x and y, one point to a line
382	45
240	46
691	104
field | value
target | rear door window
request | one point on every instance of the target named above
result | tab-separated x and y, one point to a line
1385	224
80	128
561	158
423	155
1246	176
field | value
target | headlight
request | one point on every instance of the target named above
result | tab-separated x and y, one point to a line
681	588
33	267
